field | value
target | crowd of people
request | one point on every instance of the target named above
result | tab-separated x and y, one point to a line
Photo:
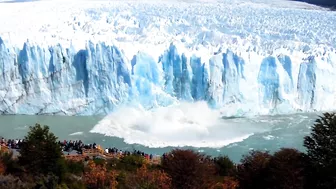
78	146
11	143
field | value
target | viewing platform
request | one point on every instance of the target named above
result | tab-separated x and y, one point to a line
88	153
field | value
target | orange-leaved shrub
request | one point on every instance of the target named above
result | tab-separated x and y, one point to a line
145	178
227	183
2	168
96	176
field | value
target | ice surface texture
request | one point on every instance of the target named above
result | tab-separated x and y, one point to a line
97	79
243	57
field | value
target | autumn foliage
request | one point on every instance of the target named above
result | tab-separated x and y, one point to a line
3	152
2	168
227	183
144	178
96	176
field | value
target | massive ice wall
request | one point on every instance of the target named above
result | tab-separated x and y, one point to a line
99	78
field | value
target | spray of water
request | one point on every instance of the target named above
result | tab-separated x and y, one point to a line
185	124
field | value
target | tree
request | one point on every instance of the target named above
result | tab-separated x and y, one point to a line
146	179
41	154
286	169
321	151
188	169
253	170
224	165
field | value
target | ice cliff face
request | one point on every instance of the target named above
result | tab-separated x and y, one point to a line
99	78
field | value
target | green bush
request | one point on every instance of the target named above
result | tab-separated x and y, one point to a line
40	154
11	164
321	151
121	179
130	163
74	182
46	181
112	163
224	165
99	161
75	167
11	182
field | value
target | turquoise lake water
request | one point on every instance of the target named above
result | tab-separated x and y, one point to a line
274	132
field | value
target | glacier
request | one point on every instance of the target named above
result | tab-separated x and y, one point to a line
99	79
96	58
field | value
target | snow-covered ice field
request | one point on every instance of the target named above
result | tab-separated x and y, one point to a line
197	23
165	68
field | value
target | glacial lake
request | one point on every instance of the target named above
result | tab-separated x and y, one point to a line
277	132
